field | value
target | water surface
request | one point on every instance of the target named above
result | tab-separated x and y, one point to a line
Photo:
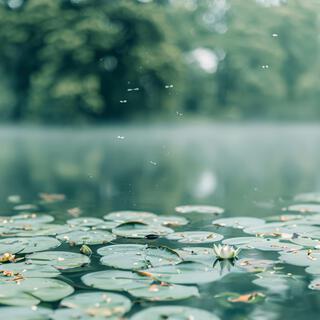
250	170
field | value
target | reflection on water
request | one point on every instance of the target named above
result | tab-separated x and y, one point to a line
238	167
249	170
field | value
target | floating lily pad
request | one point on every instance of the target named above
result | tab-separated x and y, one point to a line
25	207
31	291
195	237
265	244
33	230
301	258
199	209
304	208
198	254
139	230
282	230
315	284
116	280
76	314
25	313
275	245
84	222
186	273
105	225
104	304
255	265
173	312
28	270
314	269
137	257
238	222
61	260
313	219
164	292
128	216
308	197
26	219
306	242
86	237
285	218
168	221
27	245
15	298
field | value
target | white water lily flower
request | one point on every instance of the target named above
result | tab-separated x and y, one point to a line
225	252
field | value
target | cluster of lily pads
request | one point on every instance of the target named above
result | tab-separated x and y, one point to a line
131	264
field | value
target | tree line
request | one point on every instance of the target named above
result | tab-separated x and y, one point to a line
73	61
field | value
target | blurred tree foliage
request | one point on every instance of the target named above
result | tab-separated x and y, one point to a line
91	60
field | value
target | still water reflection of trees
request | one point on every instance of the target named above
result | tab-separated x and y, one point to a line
157	169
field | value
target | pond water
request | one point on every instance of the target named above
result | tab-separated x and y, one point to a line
252	171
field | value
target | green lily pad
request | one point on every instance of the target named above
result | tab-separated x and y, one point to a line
27	245
25	207
164	292
31	291
86	237
174	312
314	269
27	219
105	225
238	222
304	208
135	257
61	260
137	230
186	273
285	218
313	219
168	221
283	230
77	314
302	258
306	242
84	222
129	216
197	254
199	209
307	197
264	244
255	265
116	280
34	230
28	270
98	303
25	313
315	284
14	298
195	237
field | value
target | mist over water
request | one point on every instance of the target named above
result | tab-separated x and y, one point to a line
236	166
